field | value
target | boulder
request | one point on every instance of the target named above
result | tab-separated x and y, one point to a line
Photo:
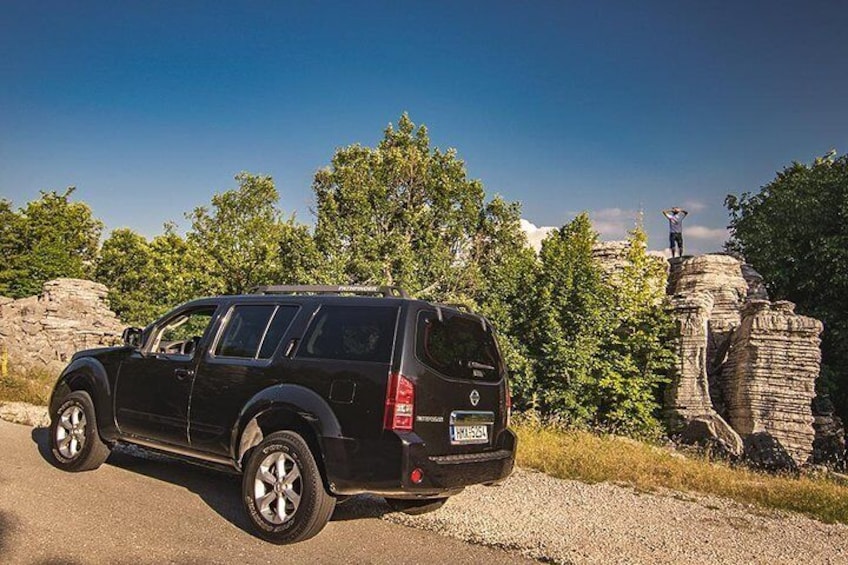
764	452
711	431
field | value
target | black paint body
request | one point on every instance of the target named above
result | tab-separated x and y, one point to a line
201	406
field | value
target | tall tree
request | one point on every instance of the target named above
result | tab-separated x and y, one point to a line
247	240
600	340
402	213
50	237
636	355
10	246
405	213
146	279
794	231
572	305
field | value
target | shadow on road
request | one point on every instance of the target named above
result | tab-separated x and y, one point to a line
220	491
7	525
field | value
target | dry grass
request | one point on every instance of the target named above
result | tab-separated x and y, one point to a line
593	458
33	386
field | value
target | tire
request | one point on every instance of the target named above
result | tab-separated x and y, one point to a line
74	439
414	507
283	492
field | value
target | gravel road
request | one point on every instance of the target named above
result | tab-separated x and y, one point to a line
137	511
531	516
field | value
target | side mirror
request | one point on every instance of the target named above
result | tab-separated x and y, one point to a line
132	337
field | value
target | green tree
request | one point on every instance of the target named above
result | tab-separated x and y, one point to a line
402	213
794	232
600	340
636	355
10	246
405	213
246	239
125	268
49	238
146	279
572	306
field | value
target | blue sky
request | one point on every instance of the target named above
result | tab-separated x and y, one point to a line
151	107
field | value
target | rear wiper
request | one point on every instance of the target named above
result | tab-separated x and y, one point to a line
476	365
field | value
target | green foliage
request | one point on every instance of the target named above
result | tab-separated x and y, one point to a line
794	232
600	343
401	213
574	319
145	279
579	344
406	214
51	237
241	234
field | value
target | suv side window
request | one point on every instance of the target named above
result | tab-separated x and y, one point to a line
181	334
351	333
253	331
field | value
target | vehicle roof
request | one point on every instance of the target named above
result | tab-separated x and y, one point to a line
325	299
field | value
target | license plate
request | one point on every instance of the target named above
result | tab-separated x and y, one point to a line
469	434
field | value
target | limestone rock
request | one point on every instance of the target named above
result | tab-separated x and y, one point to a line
829	446
611	255
710	430
45	331
715	274
765	452
768	381
756	284
688	394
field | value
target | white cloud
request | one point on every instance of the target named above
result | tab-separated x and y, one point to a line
694	206
614	223
705	233
535	234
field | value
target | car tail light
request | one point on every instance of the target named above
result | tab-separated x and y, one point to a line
400	404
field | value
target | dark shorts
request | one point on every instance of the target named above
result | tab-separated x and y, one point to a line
675	238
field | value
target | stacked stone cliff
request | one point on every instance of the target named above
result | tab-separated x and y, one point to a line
768	380
745	367
44	331
760	360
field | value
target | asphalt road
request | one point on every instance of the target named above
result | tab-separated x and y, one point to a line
138	511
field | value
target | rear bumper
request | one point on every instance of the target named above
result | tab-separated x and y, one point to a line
443	475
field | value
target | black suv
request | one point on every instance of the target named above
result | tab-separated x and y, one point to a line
313	393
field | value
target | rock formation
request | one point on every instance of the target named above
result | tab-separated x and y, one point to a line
744	379
611	255
45	331
743	361
768	380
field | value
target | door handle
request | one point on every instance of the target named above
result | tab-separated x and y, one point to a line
290	348
183	374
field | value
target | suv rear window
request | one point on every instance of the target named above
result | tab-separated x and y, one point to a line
252	333
457	347
351	333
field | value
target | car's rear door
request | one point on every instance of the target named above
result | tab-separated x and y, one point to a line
244	359
459	379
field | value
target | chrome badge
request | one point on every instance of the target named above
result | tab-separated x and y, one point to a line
474	398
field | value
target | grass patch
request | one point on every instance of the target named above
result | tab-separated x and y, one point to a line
594	458
33	386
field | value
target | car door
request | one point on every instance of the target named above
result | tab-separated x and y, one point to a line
154	383
244	359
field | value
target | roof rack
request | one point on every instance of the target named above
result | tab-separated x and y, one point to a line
385	291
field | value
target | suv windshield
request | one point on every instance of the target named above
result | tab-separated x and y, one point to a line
458	346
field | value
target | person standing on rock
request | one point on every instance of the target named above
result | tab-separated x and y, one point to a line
675	228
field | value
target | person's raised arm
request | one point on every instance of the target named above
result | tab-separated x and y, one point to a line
666	212
685	213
